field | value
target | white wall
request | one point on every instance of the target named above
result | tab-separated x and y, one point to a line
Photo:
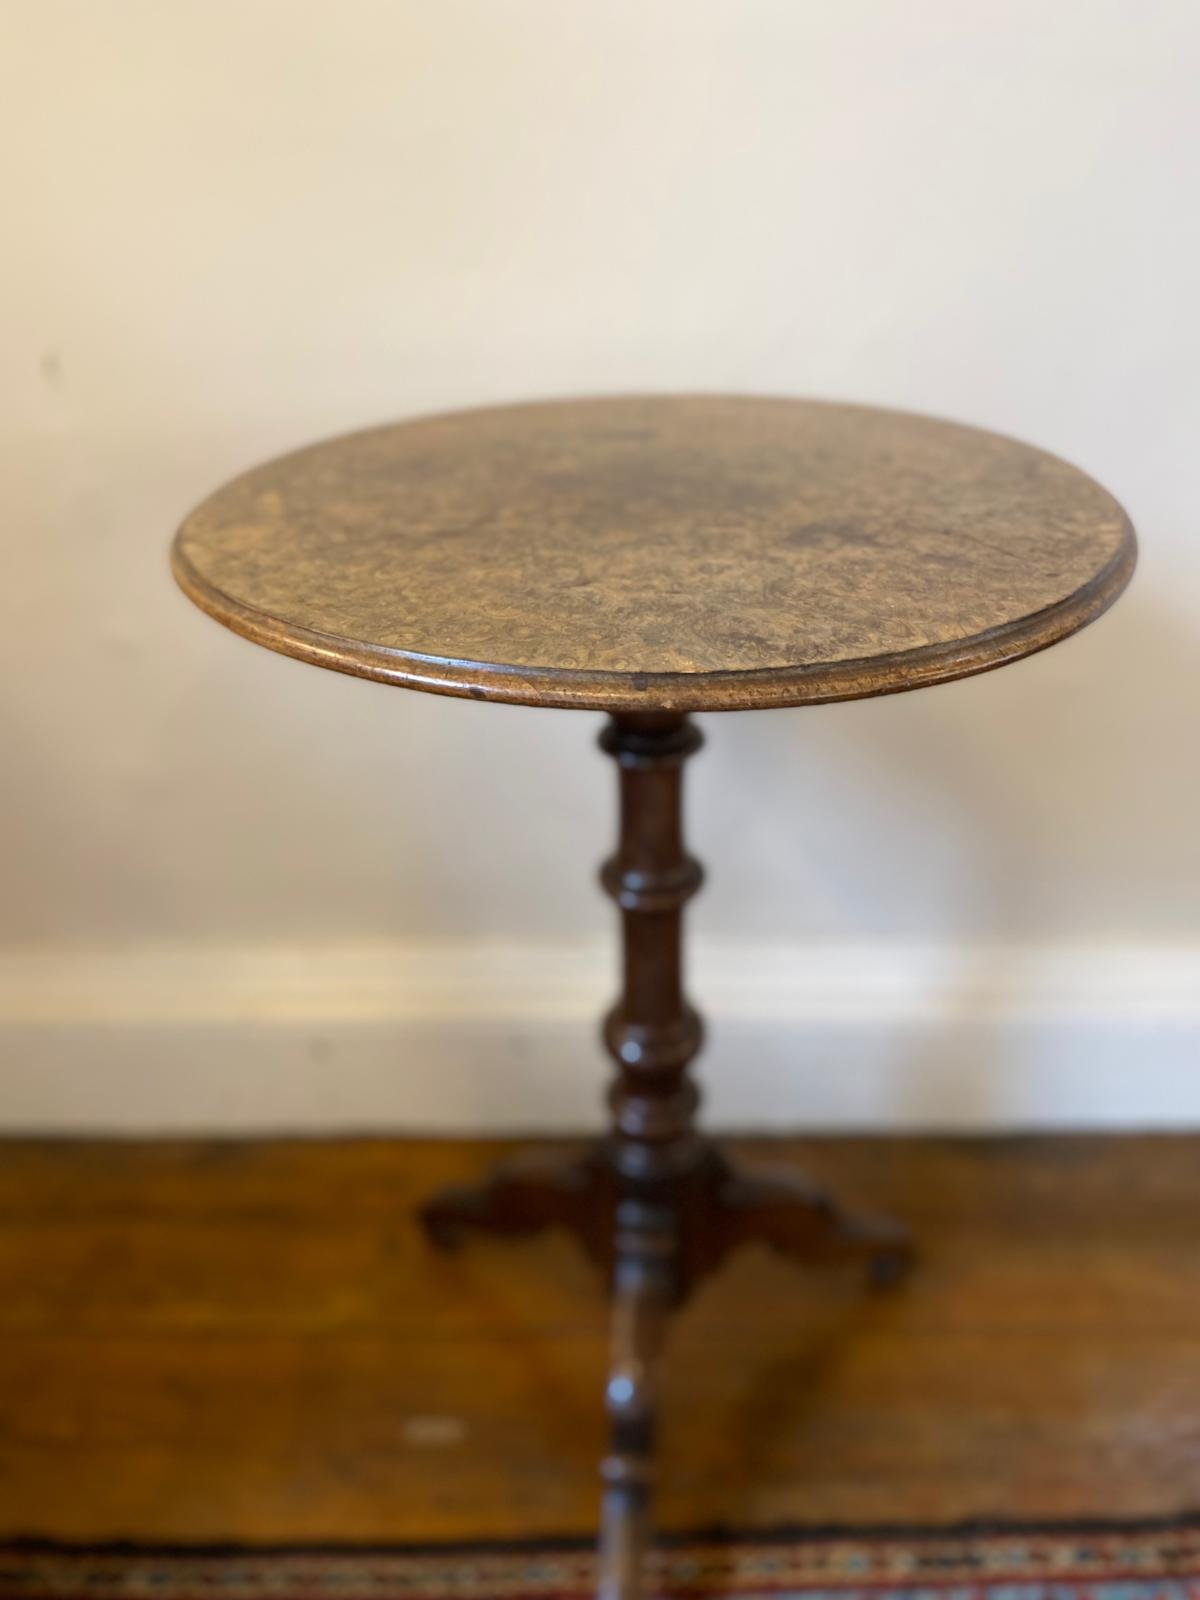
239	890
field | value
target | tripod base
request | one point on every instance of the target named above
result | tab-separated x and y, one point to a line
717	1207
654	1234
655	1205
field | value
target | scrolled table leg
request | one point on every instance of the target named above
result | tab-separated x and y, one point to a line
642	1298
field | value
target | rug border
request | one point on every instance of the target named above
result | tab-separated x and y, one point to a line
713	1533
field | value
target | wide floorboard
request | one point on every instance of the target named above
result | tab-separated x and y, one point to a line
251	1341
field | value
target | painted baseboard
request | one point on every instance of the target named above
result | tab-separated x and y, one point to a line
471	1037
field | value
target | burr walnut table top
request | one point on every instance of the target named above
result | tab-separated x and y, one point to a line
675	553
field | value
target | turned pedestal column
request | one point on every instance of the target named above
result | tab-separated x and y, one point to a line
655	1204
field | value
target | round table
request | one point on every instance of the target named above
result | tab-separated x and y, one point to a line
649	557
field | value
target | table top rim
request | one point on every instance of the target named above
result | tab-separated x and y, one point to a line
736	690
739	688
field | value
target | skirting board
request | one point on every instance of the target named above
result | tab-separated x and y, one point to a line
456	1038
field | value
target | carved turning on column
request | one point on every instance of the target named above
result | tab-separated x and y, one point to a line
654	1203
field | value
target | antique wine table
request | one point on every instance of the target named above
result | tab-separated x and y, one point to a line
648	558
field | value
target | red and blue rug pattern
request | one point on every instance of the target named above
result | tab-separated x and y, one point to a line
1100	1561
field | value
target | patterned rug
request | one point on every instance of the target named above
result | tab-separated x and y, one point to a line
1131	1561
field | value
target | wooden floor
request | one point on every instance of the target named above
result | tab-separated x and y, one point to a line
251	1341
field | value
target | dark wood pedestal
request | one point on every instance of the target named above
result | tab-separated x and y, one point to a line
655	1204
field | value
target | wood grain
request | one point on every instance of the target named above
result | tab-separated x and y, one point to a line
209	1341
660	553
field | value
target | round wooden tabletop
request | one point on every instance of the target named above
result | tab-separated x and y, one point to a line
671	553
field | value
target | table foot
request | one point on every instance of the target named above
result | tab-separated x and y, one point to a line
784	1210
526	1194
642	1298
